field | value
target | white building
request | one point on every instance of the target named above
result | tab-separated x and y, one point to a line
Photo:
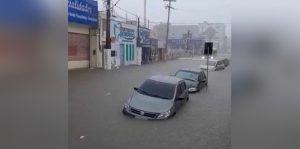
216	33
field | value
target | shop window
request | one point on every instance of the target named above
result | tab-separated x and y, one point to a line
127	52
132	52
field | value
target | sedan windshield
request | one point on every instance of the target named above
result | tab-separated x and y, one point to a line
157	89
187	75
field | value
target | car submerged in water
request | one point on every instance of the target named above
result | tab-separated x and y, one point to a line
159	97
213	65
195	79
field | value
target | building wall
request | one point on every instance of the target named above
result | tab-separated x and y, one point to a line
76	28
198	31
78	46
124	46
218	37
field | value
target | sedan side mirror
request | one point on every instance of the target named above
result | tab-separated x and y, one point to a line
180	98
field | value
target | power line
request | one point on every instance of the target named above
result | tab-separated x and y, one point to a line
156	22
129	12
134	14
116	3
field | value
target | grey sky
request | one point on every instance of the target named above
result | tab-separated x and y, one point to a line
186	11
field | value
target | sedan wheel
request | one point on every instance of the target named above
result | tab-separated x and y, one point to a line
198	88
173	115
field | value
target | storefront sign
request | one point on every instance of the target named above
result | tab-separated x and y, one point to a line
145	37
127	34
121	32
83	12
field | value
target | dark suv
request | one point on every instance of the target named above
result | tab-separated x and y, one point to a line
195	79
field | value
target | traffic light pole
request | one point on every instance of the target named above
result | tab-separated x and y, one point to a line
207	57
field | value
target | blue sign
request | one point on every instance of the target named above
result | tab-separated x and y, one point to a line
83	12
145	37
127	34
121	32
22	14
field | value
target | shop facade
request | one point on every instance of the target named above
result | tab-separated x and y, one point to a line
154	50
83	47
123	43
145	44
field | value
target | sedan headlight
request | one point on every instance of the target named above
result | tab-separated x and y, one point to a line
193	89
165	114
126	106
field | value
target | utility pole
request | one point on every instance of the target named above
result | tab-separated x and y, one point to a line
108	40
138	33
169	7
145	13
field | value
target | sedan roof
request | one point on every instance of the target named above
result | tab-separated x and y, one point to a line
191	70
166	79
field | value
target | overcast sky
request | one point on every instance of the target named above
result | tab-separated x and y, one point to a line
186	11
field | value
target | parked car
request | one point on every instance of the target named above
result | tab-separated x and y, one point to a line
195	79
226	62
213	65
159	97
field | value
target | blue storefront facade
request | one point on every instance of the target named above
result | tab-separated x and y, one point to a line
145	43
82	41
83	12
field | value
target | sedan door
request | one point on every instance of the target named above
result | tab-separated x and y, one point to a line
180	92
176	101
185	91
202	80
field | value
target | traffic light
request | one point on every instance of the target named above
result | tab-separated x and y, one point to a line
208	48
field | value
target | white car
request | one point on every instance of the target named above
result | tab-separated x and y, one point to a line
213	65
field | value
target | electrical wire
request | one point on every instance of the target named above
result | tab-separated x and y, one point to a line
153	22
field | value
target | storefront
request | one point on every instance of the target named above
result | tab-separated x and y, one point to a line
145	43
82	37
124	43
154	50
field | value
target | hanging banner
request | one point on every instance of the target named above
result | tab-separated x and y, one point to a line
83	12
